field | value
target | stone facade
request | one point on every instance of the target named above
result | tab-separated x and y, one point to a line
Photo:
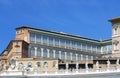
44	50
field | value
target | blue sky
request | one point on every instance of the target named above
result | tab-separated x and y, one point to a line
87	18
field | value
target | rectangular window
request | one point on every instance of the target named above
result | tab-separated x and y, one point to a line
38	38
93	48
51	41
62	42
63	55
32	37
73	45
68	55
67	44
78	45
57	54
83	46
56	41
88	47
44	39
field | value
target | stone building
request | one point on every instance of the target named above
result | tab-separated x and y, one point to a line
45	50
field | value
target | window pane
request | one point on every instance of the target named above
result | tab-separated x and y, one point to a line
29	64
38	38
32	37
32	52
62	42
38	64
38	52
50	40
44	39
56	41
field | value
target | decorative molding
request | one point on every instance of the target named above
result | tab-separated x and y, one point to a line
115	42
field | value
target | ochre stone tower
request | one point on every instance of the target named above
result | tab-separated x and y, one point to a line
115	36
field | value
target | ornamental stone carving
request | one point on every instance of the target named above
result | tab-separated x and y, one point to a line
115	42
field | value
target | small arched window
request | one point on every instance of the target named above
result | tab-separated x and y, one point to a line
12	62
20	66
54	63
29	64
38	64
45	64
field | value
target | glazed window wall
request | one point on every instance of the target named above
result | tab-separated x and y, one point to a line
33	50
107	48
66	43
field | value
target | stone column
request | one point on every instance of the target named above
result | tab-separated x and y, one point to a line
35	51
91	48
117	64
60	54
76	57
70	56
35	38
41	39
59	42
91	57
65	43
76	46
53	53
65	55
108	65
77	65
70	45
81	57
53	41
97	66
101	49
81	46
86	57
48	53
86	47
48	41
96	49
86	66
67	67
41	52
29	51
